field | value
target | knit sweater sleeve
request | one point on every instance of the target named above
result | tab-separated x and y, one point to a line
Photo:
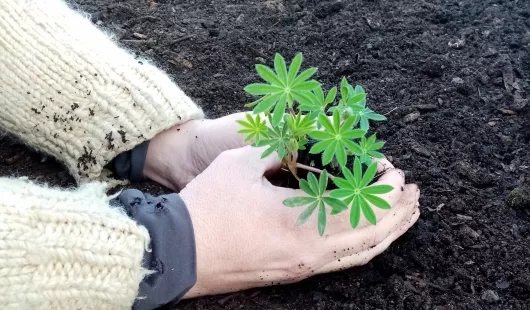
67	249
66	89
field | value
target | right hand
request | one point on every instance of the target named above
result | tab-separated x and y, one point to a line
246	237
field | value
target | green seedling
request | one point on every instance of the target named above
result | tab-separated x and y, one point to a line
357	193
292	112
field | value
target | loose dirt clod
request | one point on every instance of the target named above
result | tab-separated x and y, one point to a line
409	118
490	296
519	198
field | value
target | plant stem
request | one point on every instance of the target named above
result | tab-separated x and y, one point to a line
316	170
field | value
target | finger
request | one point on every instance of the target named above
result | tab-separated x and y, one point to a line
383	164
396	179
251	158
339	223
362	258
360	239
228	127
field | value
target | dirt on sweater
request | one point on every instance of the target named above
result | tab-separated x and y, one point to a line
453	78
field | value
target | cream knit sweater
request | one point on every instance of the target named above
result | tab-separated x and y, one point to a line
66	249
67	90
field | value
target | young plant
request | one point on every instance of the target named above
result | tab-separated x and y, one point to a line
294	112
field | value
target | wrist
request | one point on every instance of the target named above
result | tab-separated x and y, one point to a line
168	161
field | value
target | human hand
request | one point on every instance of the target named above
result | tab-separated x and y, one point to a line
245	236
177	155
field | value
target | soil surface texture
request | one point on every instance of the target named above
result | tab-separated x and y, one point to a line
453	78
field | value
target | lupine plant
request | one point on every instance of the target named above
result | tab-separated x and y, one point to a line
293	113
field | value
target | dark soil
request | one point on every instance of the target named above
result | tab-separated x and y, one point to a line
453	77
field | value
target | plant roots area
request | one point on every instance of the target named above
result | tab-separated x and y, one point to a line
452	77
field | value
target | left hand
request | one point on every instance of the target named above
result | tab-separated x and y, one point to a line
176	156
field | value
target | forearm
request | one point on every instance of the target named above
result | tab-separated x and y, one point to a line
66	89
70	249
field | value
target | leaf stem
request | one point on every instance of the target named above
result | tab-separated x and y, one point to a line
313	169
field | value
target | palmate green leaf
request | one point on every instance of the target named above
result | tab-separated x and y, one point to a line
305	75
355	212
277	141
344	89
329	153
366	148
323	182
306	86
354	192
377	189
302	143
367	211
268	75
300	125
316	189
313	183
318	103
322	135
334	141
267	103
368	176
357	91
356	99
280	67
375	117
262	89
285	87
364	123
375	154
279	111
347	183
321	146
254	128
303	98
253	103
332	94
294	68
353	103
336	204
363	115
377	201
340	153
365	159
304	185
358	173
